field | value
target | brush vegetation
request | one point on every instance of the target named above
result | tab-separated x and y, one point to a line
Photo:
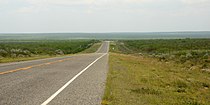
26	50
190	52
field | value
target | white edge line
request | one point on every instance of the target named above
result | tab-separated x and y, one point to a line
69	82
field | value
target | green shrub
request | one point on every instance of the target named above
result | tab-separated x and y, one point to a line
180	50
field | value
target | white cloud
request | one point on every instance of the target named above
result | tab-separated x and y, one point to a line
201	3
195	1
3	1
27	10
102	2
86	2
121	5
115	2
59	2
104	14
31	9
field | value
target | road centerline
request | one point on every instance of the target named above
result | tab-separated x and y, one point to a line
32	66
70	81
37	65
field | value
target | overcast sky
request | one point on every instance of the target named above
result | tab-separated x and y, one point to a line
104	15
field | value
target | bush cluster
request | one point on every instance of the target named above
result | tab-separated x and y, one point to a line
196	51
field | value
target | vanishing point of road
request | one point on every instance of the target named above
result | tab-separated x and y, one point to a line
71	80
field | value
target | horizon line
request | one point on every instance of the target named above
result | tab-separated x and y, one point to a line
101	32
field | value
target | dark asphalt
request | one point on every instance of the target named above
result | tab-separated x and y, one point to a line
33	86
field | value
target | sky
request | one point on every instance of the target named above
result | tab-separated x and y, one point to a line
49	16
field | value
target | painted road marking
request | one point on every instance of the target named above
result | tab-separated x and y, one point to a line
33	66
70	81
62	57
38	65
48	63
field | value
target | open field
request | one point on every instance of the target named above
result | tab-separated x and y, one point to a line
134	80
28	50
143	72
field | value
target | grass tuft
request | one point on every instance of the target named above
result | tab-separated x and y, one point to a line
146	91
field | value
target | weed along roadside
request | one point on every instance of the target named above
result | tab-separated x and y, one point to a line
140	79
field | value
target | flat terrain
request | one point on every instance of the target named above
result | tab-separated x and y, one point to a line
137	80
111	36
80	80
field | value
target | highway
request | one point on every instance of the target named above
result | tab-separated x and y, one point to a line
71	80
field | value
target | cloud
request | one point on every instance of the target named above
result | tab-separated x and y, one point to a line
85	2
27	10
31	9
103	2
195	1
59	2
108	15
3	2
201	3
91	6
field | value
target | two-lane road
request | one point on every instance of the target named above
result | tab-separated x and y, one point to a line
72	80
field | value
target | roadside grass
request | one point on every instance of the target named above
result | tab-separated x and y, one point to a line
6	60
140	80
93	48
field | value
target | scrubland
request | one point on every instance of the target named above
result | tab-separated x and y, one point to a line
18	50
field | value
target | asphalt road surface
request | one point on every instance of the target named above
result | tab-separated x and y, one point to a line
73	80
